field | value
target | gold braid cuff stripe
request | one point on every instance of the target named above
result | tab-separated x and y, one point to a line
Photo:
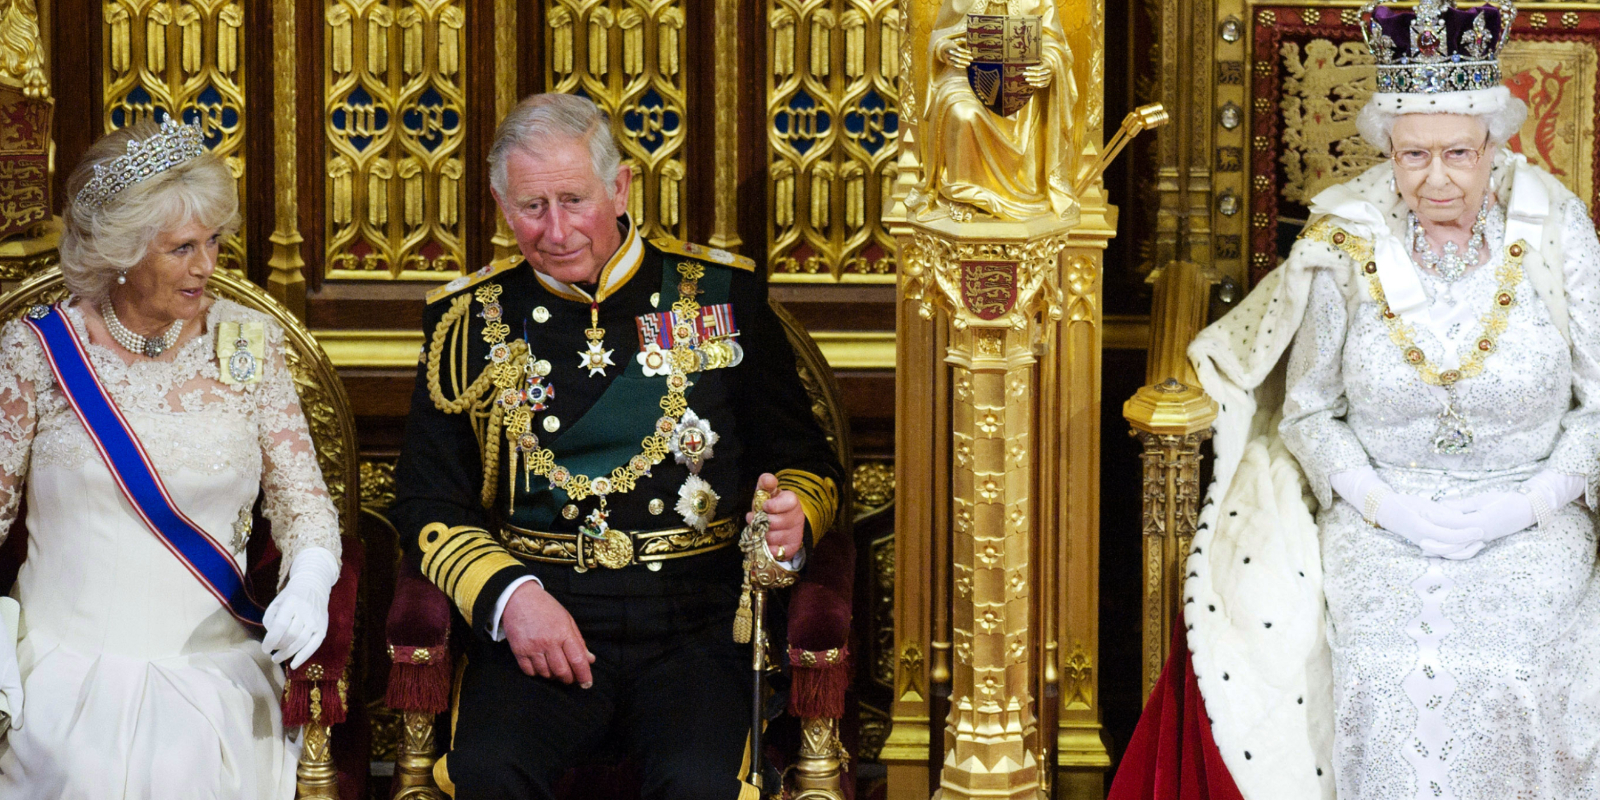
819	499
461	560
1509	274
641	547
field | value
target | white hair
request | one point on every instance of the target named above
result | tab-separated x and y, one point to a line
1502	113
97	243
541	118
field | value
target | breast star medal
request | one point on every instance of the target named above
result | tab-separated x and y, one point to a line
596	358
697	502
691	441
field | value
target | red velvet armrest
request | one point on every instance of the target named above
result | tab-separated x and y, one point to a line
326	668
418	634
819	629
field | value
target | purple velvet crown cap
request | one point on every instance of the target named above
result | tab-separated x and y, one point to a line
1437	47
1459	35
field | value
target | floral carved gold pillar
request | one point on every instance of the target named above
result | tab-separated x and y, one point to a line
995	282
1001	221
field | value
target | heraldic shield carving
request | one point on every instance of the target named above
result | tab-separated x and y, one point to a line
989	288
1002	47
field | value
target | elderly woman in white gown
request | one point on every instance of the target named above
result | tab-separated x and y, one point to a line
1442	398
130	679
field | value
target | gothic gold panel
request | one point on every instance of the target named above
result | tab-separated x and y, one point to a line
183	58
395	86
832	127
628	56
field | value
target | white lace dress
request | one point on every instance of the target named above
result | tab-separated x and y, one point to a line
1459	679
137	683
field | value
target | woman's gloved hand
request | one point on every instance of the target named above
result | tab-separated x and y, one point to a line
297	620
1534	502
1435	528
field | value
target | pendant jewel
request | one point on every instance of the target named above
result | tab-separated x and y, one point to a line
242	364
1452	436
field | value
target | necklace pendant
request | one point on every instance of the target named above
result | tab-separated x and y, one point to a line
1452	436
154	346
242	364
595	359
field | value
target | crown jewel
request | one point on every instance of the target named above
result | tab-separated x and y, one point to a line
1438	47
176	144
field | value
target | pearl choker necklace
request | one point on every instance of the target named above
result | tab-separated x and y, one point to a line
151	347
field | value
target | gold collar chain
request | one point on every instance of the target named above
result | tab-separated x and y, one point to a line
511	366
1453	435
1509	274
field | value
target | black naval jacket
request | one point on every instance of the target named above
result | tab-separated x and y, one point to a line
759	409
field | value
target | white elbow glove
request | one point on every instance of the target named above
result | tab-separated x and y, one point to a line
1438	529
297	620
10	672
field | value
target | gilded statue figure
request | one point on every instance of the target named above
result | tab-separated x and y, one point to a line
21	49
1015	166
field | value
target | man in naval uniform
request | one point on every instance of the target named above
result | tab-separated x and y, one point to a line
589	426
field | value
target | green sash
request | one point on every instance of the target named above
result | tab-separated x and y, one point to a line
612	430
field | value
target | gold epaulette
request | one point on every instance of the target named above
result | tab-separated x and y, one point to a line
469	280
700	251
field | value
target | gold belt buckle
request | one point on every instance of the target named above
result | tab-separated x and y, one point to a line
614	550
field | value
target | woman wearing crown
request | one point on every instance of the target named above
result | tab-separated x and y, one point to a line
1424	366
141	418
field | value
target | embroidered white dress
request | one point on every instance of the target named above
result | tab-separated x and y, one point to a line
136	682
1464	679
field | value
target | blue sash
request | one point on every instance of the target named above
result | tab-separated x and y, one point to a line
210	564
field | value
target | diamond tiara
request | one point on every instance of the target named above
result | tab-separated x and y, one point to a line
175	145
1438	47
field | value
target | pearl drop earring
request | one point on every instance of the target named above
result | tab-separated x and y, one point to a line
122	278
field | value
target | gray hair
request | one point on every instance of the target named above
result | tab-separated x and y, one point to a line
1376	123
565	117
97	243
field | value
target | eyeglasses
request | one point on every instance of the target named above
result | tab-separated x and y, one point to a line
1458	158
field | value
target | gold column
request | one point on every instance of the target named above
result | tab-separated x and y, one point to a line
725	213
1172	419
991	742
505	98
413	766
286	282
1069	472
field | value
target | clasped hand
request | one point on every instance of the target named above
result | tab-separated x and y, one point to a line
1454	529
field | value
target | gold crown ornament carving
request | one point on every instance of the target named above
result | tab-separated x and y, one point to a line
175	145
1437	47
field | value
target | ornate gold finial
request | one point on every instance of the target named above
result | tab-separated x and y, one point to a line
21	50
